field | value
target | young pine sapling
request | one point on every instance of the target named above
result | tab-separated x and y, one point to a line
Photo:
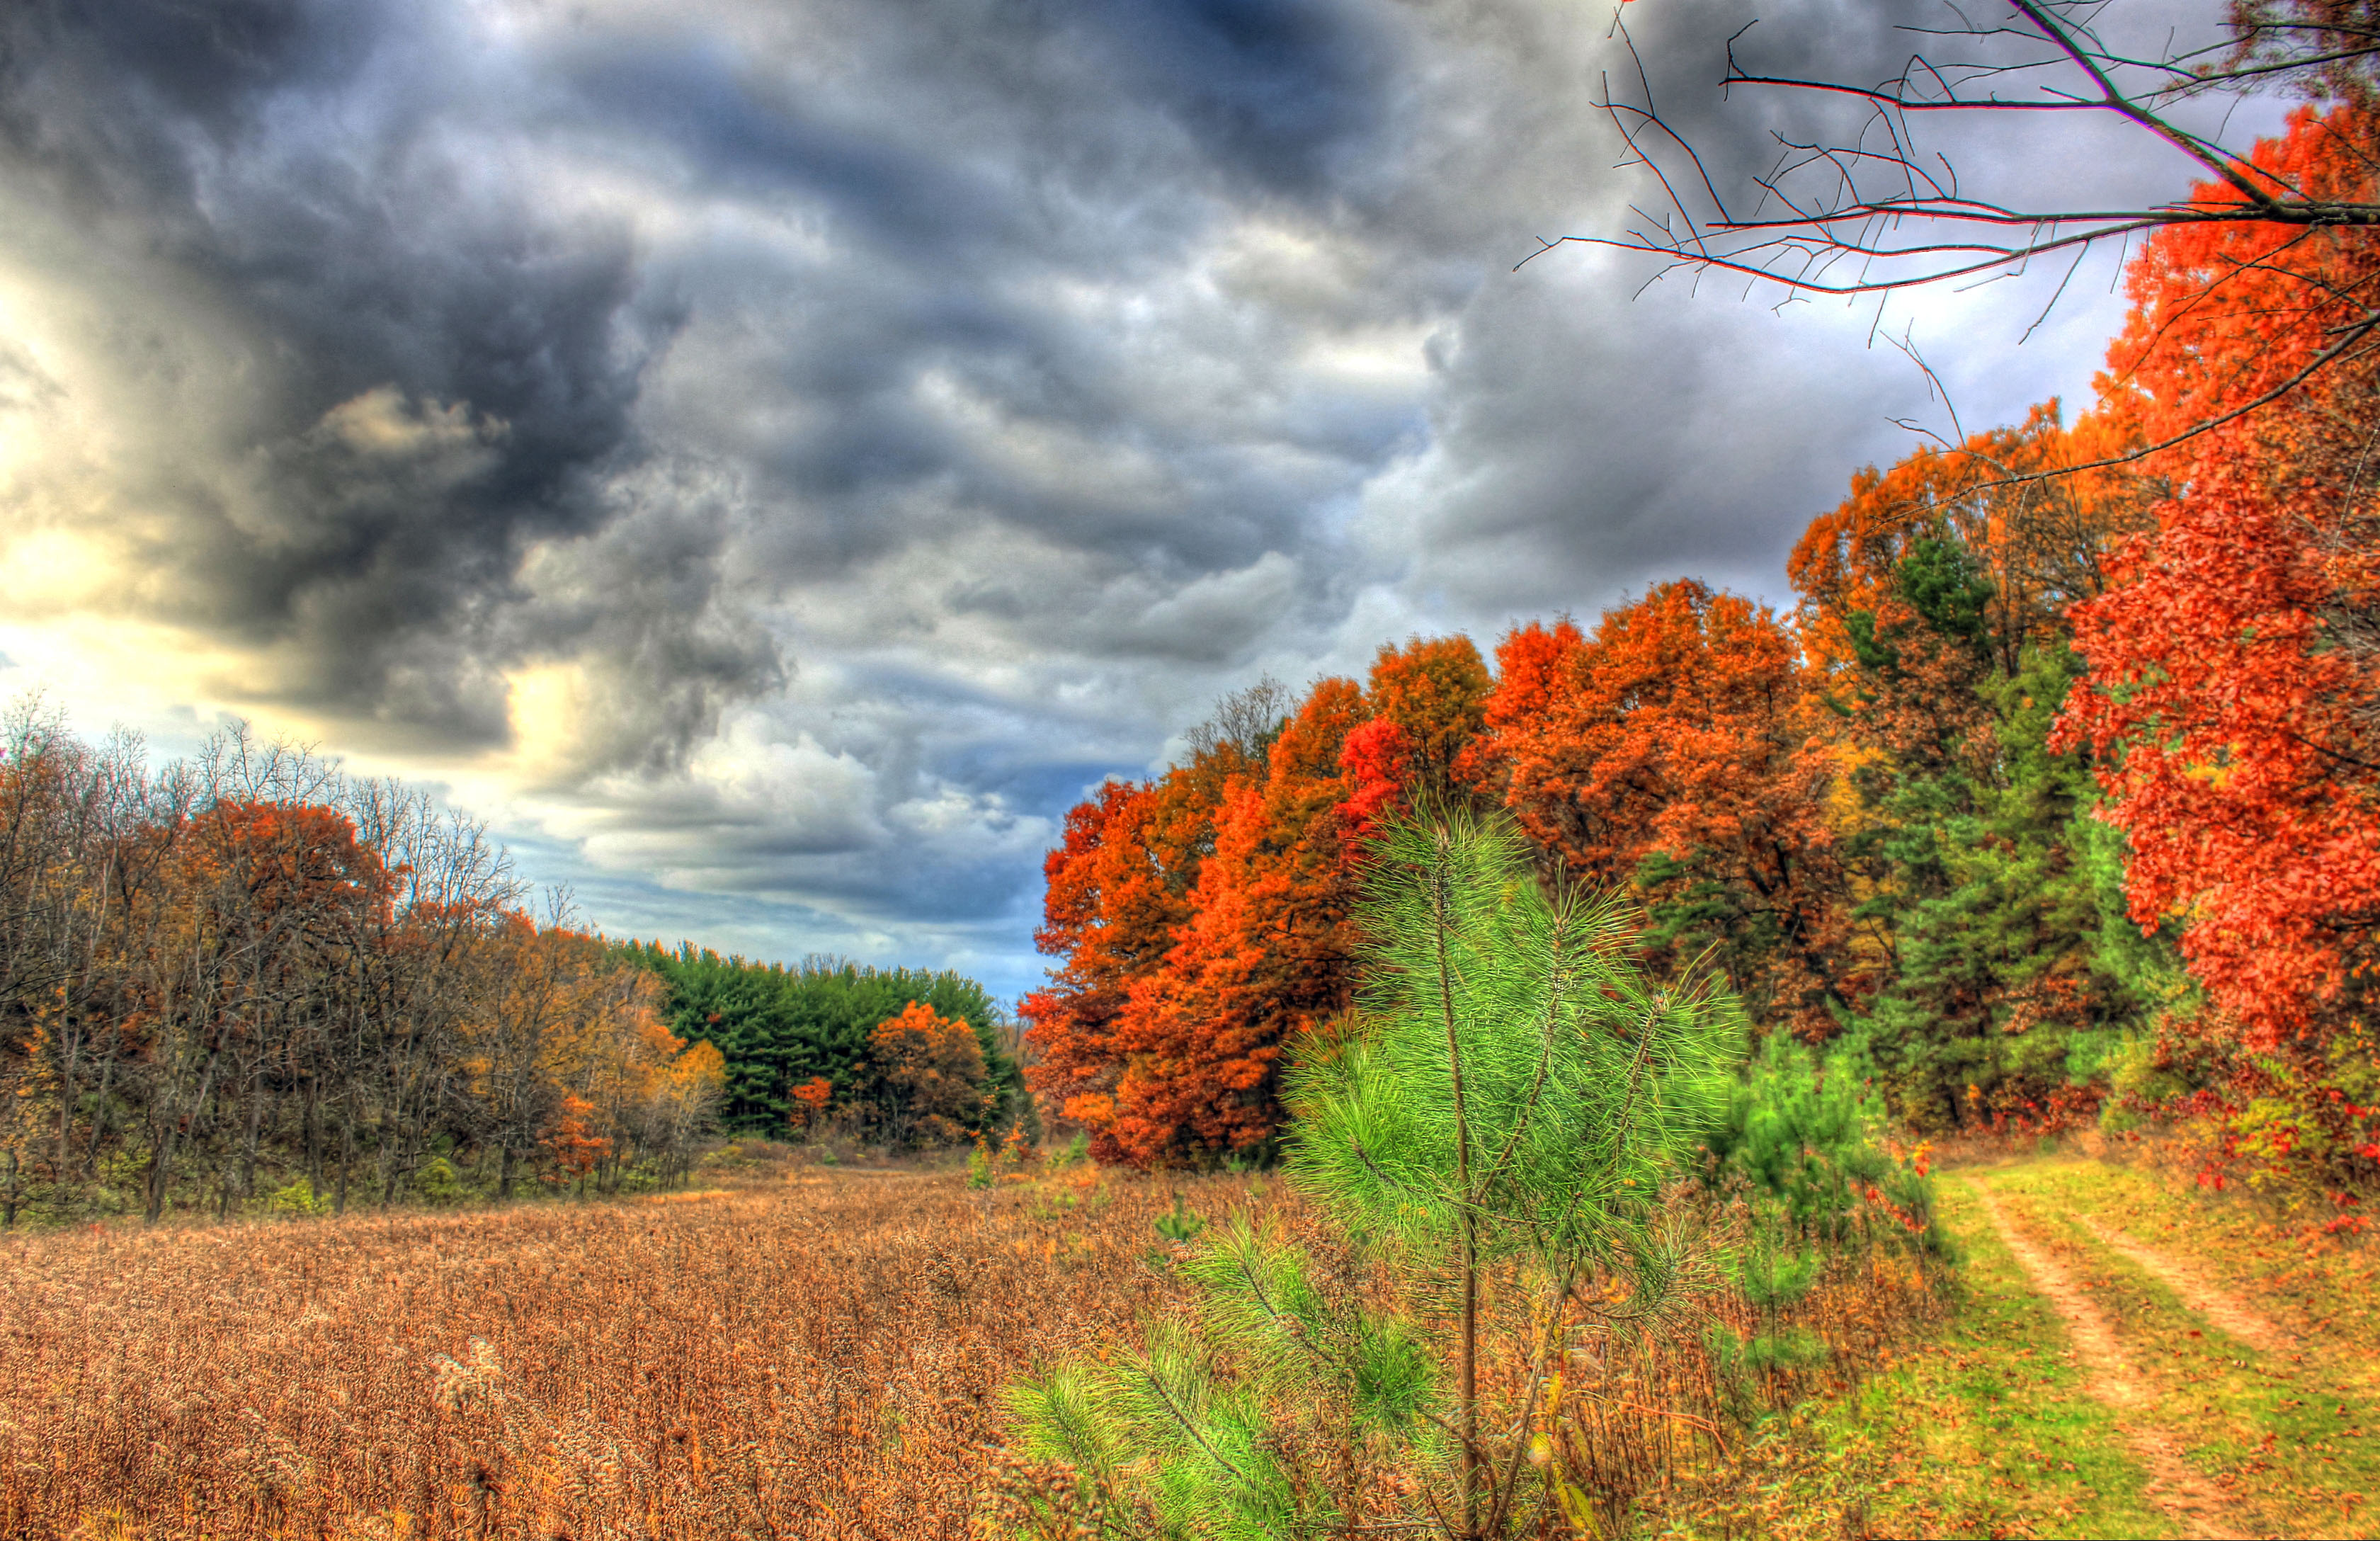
1492	1134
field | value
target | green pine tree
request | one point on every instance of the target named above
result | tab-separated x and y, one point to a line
2013	967
1492	1132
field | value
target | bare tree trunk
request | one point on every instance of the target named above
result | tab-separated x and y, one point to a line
99	1118
310	1123
70	1051
248	1161
160	1157
160	1160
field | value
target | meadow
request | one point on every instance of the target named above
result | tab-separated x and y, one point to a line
799	1353
808	1351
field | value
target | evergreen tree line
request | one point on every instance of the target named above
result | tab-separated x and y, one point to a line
894	1056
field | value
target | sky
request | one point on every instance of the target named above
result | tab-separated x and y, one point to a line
769	458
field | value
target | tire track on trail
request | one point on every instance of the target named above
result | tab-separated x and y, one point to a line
2184	1493
2194	1289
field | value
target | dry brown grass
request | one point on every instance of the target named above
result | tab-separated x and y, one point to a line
805	1352
818	1354
1670	1442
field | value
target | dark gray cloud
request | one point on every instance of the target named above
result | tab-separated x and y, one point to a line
774	454
438	370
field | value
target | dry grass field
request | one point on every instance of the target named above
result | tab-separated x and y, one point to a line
817	1354
807	1352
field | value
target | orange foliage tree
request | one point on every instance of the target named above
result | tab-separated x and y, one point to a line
809	1101
1671	749
927	1075
1111	909
1262	956
1202	920
571	1142
1434	692
1428	702
2235	666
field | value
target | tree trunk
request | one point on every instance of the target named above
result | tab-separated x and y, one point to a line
99	1118
67	1066
255	1132
1470	1376
161	1157
310	1119
161	1161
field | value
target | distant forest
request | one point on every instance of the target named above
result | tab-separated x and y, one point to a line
802	1043
245	983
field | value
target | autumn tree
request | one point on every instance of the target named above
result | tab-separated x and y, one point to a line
926	1078
1433	691
1201	917
2234	673
1428	702
1121	890
1670	750
1109	913
248	972
263	902
514	1035
68	860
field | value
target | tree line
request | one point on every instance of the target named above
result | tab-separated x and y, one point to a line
897	1057
2055	794
244	982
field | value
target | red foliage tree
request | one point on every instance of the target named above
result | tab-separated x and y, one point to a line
2235	666
1262	956
1378	760
573	1146
1109	912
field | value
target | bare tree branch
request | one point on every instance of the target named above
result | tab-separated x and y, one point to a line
1878	212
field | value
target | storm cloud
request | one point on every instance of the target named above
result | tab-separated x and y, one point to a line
770	457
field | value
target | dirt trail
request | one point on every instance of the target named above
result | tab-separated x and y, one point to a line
2195	1504
2196	1289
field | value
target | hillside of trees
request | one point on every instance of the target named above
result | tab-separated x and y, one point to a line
2051	798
